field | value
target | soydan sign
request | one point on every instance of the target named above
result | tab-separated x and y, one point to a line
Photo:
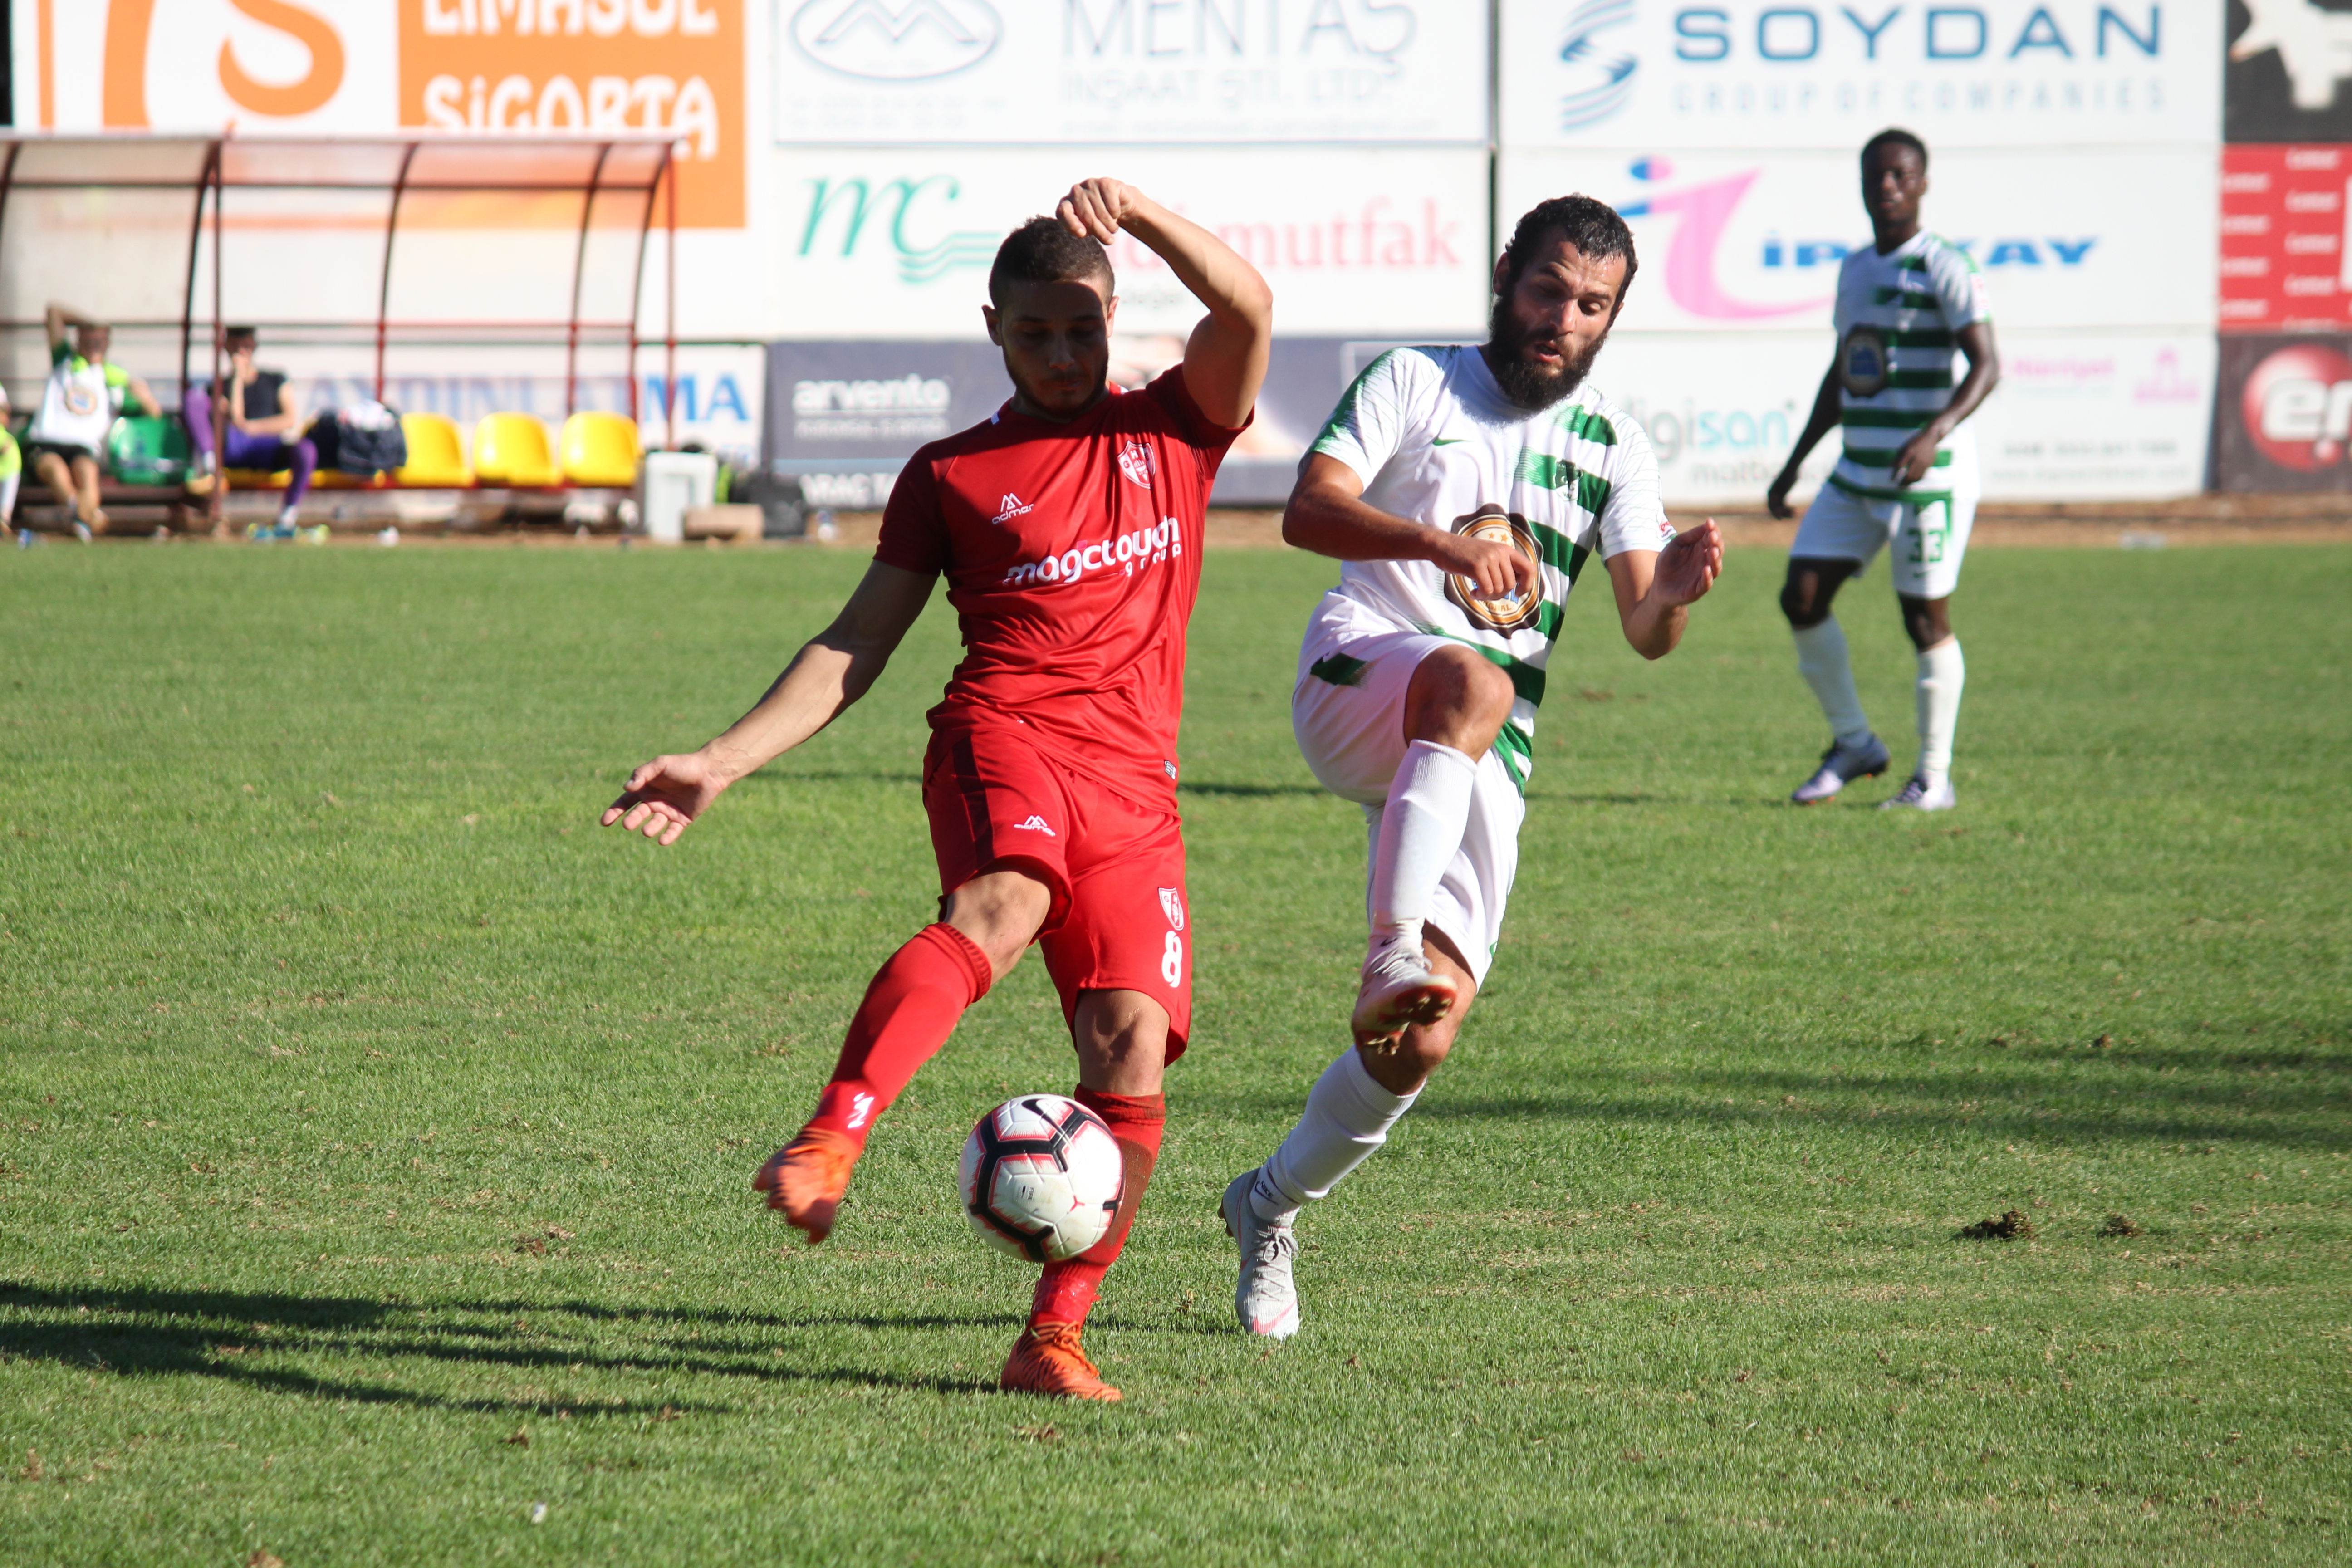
1789	73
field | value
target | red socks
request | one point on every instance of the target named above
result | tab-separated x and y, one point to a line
1067	1289
908	1012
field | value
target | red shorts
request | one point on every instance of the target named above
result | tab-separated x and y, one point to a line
1120	920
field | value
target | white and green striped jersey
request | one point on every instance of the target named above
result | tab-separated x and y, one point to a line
1435	441
1898	322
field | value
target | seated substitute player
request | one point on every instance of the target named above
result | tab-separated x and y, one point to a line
1069	528
1465	489
84	393
1908	472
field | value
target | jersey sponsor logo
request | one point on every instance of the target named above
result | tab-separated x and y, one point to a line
1516	611
1011	507
1136	462
1862	362
1035	825
1126	552
1172	904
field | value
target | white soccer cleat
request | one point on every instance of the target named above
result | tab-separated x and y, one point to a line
1916	796
1266	1300
1841	765
1399	990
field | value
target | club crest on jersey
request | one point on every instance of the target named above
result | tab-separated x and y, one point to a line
1136	462
1011	507
1517	611
1172	904
1862	362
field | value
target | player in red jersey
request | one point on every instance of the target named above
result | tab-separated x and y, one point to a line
1068	527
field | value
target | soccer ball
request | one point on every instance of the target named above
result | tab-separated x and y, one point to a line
1042	1177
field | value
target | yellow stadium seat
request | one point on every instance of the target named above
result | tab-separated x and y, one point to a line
436	458
512	449
599	451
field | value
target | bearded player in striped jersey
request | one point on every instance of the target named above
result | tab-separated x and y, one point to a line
1907	475
1465	489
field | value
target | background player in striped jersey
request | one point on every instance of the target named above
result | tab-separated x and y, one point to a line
1465	489
1908	473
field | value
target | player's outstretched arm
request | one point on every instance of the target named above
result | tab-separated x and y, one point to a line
1829	410
1918	455
1656	588
1327	514
834	670
1224	362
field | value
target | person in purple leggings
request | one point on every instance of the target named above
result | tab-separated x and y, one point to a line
263	425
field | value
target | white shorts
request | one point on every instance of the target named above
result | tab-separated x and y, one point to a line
1349	712
1929	540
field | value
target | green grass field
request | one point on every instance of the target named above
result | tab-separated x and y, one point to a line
374	1133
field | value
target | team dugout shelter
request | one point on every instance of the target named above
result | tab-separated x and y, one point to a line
369	263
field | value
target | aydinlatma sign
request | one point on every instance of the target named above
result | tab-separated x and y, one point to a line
373	66
1761	74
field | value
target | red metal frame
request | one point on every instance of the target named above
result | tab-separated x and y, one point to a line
212	181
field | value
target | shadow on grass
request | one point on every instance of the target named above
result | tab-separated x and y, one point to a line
1251	792
209	1333
2070	1096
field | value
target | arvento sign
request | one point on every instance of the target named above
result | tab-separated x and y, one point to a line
362	66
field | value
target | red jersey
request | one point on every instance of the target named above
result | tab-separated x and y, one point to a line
1073	559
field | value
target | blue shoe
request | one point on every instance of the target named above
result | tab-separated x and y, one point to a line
1841	765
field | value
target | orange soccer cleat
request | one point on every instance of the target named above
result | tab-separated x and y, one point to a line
1047	1359
805	1179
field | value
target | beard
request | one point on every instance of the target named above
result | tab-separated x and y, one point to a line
1530	385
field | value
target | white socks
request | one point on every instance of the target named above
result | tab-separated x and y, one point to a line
1422	824
1942	674
1822	660
1348	1116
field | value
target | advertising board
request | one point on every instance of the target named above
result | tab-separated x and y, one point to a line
2283	262
2077	415
2288	62
1752	242
370	66
896	243
1769	74
2283	418
1029	71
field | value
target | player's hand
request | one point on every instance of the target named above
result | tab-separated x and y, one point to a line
1494	569
1918	456
665	795
1095	208
1688	565
1776	500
